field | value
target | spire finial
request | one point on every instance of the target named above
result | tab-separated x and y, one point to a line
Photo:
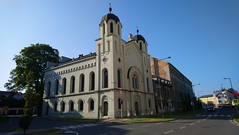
137	30
110	9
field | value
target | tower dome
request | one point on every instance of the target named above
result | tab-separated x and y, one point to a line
139	37
109	16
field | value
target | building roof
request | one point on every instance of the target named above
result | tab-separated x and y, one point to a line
109	16
206	96
139	37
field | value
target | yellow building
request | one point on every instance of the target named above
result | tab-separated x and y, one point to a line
208	100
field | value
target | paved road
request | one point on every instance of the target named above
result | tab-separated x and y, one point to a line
205	123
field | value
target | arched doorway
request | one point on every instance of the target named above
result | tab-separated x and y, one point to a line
105	113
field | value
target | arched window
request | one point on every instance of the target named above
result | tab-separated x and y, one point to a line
92	81
135	82
111	27
105	78
49	89
64	85
71	106
140	46
55	107
56	87
147	83
62	106
81	105
91	105
103	28
149	103
119	29
82	82
72	84
119	78
119	103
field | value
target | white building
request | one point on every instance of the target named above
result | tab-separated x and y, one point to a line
95	85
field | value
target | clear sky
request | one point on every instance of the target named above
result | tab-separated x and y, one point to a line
202	36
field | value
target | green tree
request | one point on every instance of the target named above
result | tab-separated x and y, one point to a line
29	72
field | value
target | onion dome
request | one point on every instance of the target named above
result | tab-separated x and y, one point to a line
109	16
139	37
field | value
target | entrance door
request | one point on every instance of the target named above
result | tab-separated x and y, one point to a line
105	108
136	104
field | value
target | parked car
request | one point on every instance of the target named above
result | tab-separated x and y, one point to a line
211	109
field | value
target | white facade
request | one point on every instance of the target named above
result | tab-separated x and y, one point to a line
97	84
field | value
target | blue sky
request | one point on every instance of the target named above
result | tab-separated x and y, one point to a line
202	36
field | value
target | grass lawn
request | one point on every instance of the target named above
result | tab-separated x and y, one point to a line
74	120
237	119
158	118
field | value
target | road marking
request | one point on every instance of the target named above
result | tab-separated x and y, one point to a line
70	132
168	132
104	134
182	127
191	124
159	123
228	115
215	115
198	121
204	119
221	115
145	126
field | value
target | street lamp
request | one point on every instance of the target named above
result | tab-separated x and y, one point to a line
230	81
195	85
169	57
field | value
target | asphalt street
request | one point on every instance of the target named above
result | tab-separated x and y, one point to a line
218	122
206	123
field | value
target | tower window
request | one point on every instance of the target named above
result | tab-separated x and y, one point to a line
140	46
111	27
119	78
105	78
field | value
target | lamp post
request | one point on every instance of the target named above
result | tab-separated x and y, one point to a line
229	80
169	57
195	85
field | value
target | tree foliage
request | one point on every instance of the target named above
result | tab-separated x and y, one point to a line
29	72
30	66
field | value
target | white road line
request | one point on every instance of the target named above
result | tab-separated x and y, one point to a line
104	134
191	124
228	115
215	115
68	131
198	121
159	123
168	132
182	127
221	115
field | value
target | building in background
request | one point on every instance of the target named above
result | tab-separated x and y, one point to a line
220	98
173	91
